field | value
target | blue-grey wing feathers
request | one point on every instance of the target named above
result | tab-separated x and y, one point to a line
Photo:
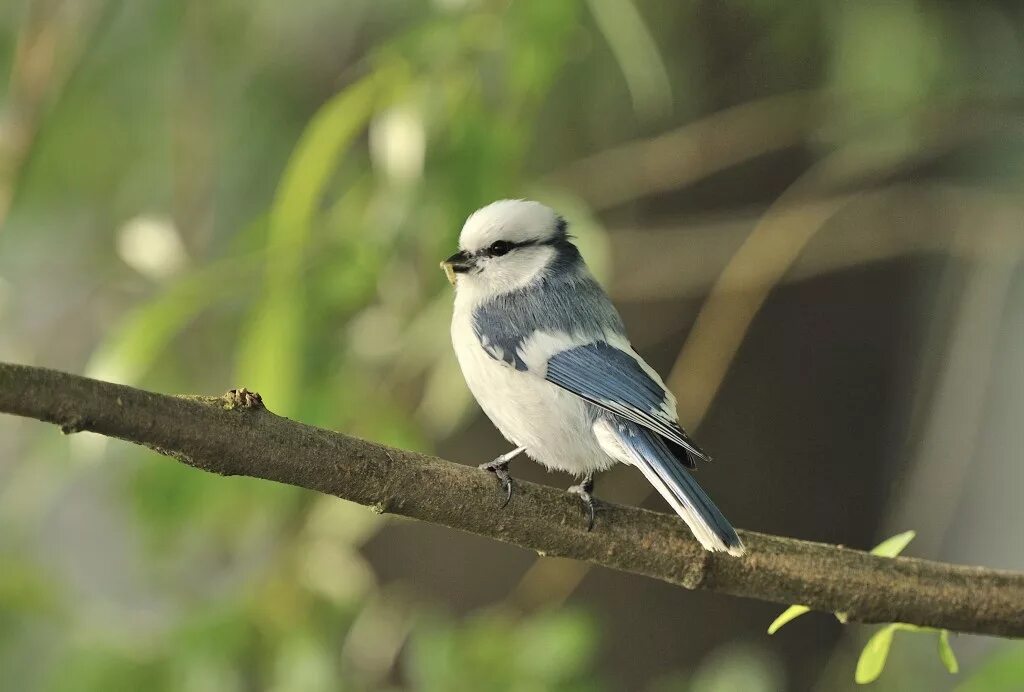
630	406
614	381
565	301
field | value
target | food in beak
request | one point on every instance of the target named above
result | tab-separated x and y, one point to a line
458	263
448	272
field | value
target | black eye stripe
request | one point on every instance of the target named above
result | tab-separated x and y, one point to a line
503	247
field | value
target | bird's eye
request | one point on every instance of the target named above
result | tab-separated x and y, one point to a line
499	248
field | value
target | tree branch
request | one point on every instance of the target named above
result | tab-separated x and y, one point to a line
216	435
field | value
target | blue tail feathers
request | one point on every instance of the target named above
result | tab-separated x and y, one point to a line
649	453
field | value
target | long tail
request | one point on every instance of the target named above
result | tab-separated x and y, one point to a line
649	453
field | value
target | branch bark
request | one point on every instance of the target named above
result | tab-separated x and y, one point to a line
216	435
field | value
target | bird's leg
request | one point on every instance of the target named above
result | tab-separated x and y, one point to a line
583	490
499	467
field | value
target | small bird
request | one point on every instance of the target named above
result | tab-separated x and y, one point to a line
546	355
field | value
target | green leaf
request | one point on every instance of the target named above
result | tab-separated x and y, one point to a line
946	654
636	51
872	658
271	359
891	547
788	614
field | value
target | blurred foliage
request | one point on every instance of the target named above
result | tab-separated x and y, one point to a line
219	192
551	651
738	666
1003	672
316	285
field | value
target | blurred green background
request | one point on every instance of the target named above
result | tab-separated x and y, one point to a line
809	213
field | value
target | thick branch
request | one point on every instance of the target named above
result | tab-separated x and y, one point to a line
210	434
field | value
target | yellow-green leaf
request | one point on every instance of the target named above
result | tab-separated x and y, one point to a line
872	658
946	654
891	547
788	614
272	344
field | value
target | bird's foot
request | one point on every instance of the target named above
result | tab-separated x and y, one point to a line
499	467
584	491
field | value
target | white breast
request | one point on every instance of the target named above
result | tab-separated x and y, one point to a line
553	425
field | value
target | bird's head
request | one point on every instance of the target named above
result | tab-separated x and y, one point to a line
509	244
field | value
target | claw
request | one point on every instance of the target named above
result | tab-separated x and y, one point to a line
583	490
499	467
507	485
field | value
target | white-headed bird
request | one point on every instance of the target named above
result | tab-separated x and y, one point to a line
546	355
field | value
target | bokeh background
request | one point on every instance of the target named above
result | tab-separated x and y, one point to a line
809	213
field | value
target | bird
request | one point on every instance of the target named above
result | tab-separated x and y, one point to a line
545	354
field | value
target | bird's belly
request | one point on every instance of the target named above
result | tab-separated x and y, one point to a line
553	425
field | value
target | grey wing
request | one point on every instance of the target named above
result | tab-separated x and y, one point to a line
614	380
578	306
598	372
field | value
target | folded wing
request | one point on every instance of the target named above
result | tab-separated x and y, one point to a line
615	380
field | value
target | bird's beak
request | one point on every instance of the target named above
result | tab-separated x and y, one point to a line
459	263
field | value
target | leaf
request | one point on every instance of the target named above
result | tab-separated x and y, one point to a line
270	358
872	658
893	546
946	654
890	547
790	613
636	51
